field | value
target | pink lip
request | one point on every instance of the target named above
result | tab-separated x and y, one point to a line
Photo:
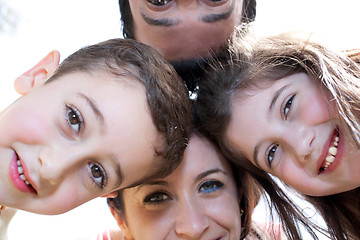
338	158
15	178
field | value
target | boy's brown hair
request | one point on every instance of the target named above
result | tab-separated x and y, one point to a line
166	93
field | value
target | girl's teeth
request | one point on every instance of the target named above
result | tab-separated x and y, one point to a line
22	177
20	170
330	159
333	151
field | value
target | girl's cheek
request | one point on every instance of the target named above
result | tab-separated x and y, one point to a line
315	108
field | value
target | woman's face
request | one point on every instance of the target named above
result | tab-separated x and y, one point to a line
199	200
185	29
290	130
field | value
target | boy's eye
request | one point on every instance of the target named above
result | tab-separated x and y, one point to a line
287	106
159	2
210	186
156	198
98	174
74	118
271	154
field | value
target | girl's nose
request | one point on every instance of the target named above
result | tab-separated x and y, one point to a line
301	142
191	221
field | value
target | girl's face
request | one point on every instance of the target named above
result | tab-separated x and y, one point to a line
74	139
290	129
199	200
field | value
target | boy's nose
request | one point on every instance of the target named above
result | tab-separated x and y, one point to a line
55	165
191	221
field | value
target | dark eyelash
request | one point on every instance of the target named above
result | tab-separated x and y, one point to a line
271	153
78	117
286	102
149	198
103	173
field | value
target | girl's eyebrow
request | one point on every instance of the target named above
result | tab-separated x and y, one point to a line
215	17
151	183
276	97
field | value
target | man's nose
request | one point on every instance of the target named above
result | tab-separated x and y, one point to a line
191	220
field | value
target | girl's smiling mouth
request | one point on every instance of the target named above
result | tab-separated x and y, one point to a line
331	153
18	176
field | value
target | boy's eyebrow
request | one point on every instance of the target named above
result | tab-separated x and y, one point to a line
94	108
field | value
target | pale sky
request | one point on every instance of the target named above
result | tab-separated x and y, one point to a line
67	25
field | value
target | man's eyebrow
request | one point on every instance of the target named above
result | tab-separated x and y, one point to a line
214	17
208	172
94	107
165	22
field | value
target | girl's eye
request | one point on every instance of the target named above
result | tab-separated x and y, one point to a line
74	119
159	2
156	198
287	106
271	154
210	186
98	174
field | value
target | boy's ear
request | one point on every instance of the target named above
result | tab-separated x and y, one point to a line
38	74
122	225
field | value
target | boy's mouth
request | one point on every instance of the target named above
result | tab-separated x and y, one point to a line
331	154
22	174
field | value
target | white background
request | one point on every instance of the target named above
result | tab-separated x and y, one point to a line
67	25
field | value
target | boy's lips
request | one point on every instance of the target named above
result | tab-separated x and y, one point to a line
19	175
326	161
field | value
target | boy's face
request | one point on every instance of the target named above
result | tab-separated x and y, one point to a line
76	138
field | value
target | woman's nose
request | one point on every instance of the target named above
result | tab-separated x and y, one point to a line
191	221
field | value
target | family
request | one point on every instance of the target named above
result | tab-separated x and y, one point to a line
184	124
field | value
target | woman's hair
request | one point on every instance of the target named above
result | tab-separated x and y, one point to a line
166	95
127	22
254	62
245	183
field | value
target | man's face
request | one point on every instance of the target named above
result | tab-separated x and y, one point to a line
184	29
73	139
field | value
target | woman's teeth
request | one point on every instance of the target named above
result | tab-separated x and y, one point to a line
331	153
21	173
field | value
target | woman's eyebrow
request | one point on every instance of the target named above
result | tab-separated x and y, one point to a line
208	172
165	22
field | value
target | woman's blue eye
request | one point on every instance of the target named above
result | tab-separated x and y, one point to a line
159	2
156	198
74	118
210	186
98	174
271	154
287	106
